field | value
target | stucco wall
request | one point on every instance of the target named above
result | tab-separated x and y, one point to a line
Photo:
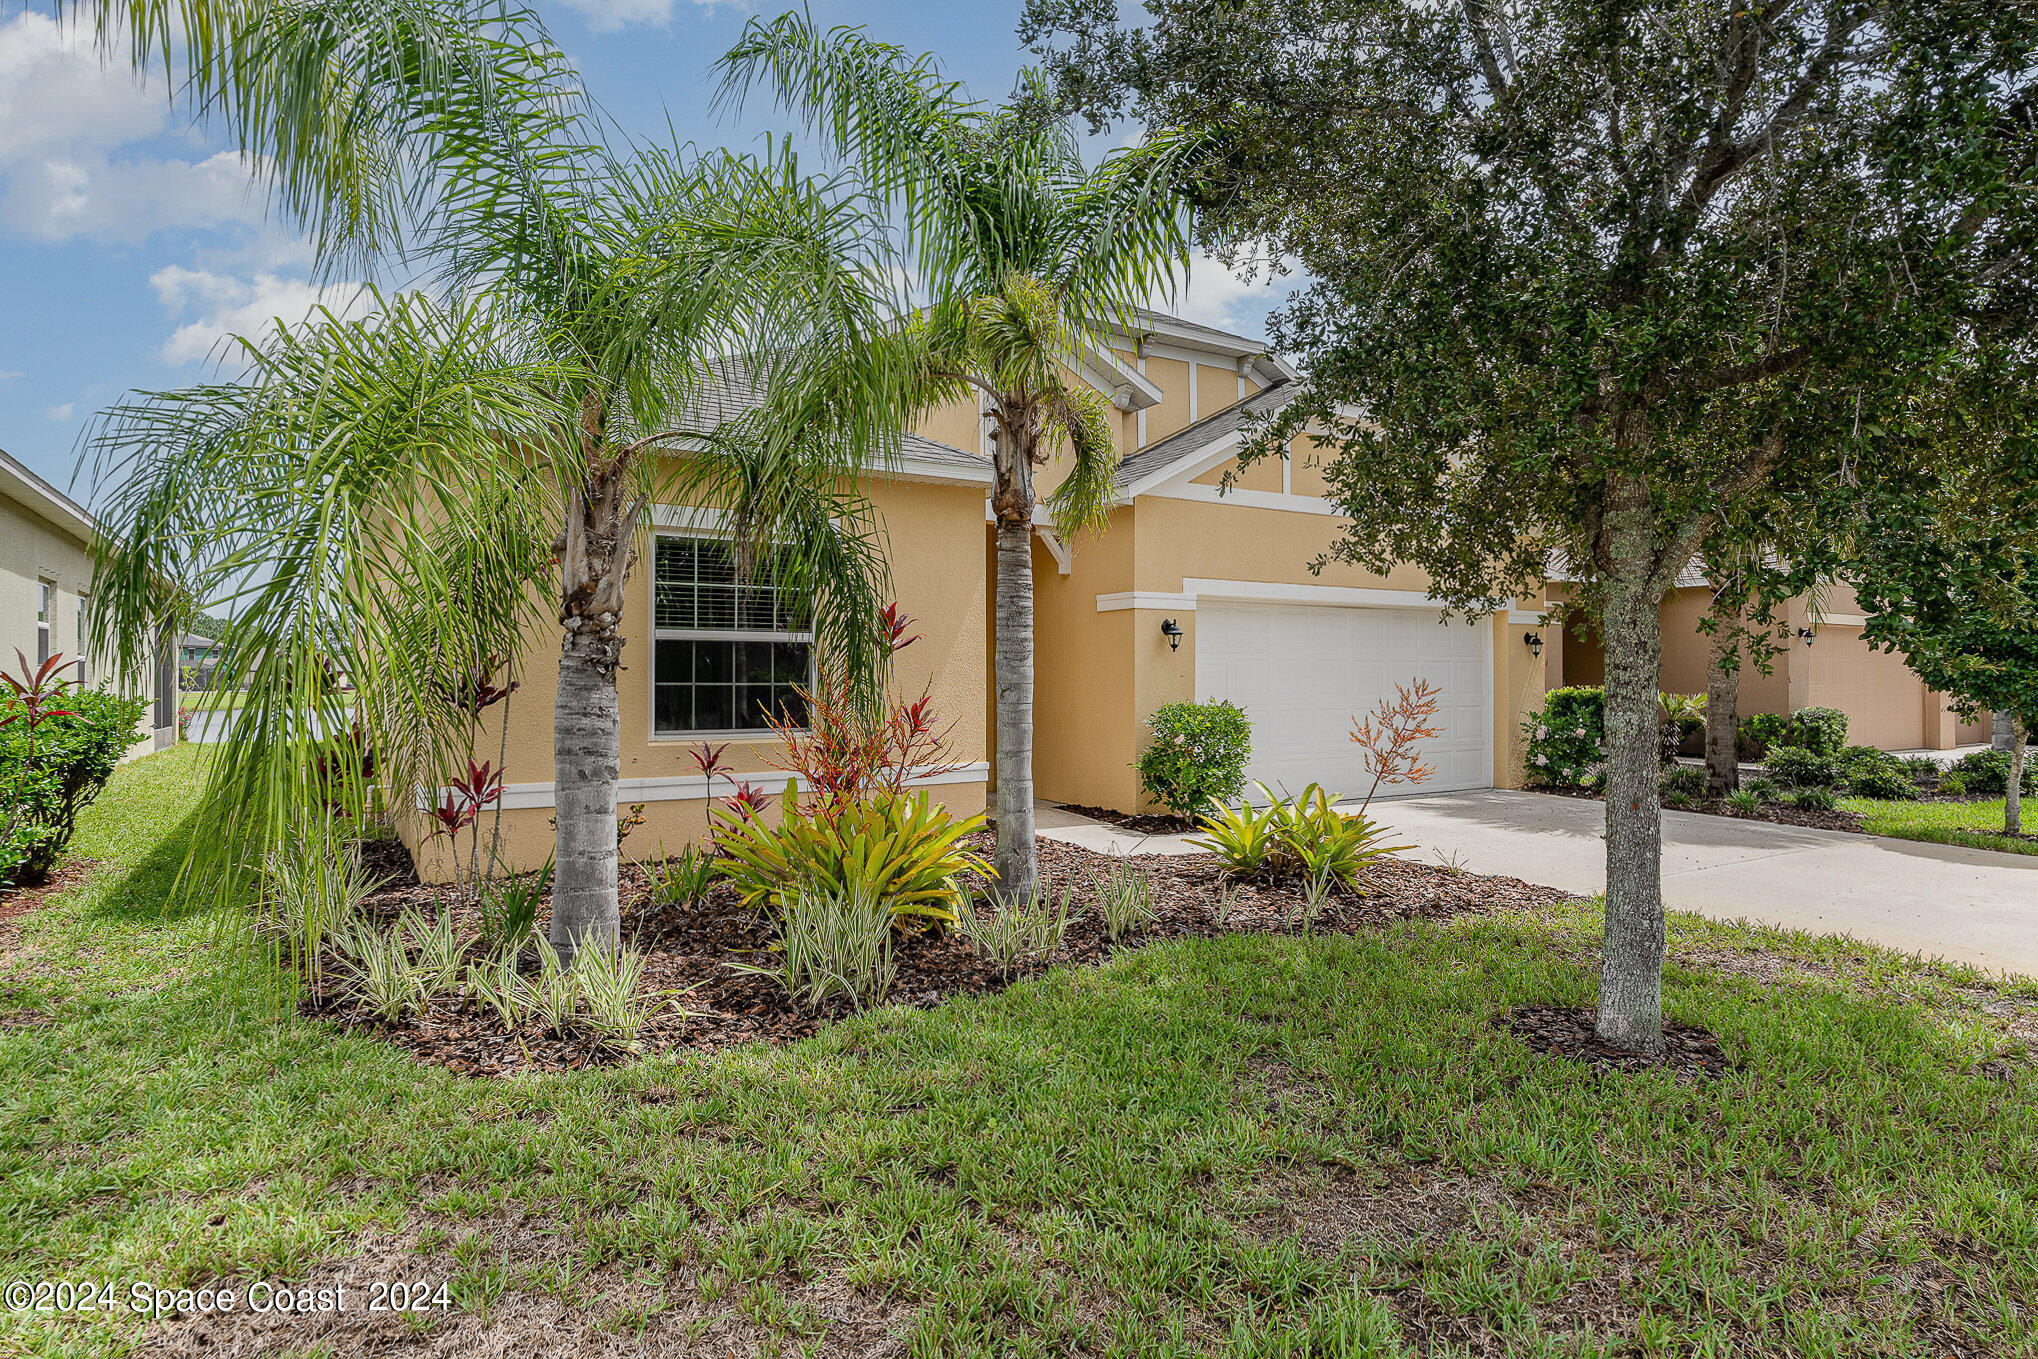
34	549
935	537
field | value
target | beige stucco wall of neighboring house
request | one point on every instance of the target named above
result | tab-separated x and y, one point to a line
1086	674
1886	703
36	547
935	534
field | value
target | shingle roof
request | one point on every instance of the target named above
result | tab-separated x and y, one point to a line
737	385
1211	428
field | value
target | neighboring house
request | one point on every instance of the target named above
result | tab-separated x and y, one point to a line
1227	570
45	583
196	656
1824	664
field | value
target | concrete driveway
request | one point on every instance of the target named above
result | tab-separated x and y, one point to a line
1968	905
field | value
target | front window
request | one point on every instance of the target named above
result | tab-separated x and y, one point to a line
725	652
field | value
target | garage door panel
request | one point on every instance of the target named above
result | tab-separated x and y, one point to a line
1302	673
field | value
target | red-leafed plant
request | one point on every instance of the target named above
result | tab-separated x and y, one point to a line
747	803
36	691
1390	734
466	795
476	689
855	747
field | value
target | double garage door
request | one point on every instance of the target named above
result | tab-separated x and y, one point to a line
1303	673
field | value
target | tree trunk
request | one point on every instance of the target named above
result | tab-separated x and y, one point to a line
594	561
1723	706
2013	796
1631	967
587	759
1016	857
2000	730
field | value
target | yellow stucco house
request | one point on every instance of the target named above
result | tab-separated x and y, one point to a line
1227	569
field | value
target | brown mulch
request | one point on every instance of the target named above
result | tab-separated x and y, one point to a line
1139	823
1689	1052
1779	813
704	1003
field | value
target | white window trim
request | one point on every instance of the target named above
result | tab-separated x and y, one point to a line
690	521
45	620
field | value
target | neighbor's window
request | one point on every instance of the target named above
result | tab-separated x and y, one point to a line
724	653
45	608
81	639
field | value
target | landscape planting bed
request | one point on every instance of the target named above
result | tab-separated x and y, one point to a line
702	1002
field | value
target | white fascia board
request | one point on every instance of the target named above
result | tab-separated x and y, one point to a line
1109	374
916	469
1285	501
1145	599
34	494
1281	592
694	788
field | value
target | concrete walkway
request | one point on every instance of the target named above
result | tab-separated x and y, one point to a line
1969	905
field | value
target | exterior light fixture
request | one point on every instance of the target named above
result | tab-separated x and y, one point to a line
1807	634
1535	643
1172	630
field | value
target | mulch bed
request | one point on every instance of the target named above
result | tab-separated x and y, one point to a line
1689	1052
1140	823
1782	814
19	901
709	1005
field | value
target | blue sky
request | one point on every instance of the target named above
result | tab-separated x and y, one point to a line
130	243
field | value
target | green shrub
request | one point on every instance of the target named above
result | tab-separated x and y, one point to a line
1759	731
1814	799
1682	781
684	878
903	851
1765	789
1869	772
1922	768
1955	785
1744	801
1796	767
1987	772
1196	755
1561	742
74	753
1823	731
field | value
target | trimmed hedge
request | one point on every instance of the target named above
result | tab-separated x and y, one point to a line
1561	742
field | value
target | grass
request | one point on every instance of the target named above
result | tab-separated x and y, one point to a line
212	700
1977	825
1243	1146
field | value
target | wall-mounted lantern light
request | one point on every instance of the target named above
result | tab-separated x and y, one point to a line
1535	643
1172	630
1807	634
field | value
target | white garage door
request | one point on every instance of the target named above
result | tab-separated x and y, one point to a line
1304	672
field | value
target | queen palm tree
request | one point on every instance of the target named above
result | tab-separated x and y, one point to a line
585	305
1030	257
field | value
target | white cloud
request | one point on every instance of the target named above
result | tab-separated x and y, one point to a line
225	306
63	112
8	377
1217	296
62	412
606	16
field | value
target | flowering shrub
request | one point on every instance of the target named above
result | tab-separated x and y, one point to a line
1196	757
1562	741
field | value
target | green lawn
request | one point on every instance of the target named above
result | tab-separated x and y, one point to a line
1976	824
212	699
1244	1146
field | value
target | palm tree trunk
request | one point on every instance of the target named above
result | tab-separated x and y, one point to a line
1723	704
1016	855
594	558
1631	964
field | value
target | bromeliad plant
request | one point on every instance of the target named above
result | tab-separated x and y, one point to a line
905	852
1305	836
